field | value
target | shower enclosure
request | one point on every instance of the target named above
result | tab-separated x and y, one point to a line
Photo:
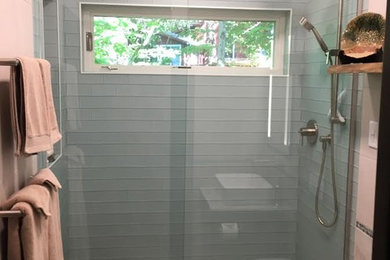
175	166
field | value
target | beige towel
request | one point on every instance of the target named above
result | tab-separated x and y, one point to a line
33	117
36	236
55	135
17	106
47	177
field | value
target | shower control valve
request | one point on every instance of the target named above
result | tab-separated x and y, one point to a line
310	131
326	139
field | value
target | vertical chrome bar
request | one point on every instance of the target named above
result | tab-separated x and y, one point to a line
339	25
333	97
359	7
335	77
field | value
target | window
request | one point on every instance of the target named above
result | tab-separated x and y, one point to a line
183	40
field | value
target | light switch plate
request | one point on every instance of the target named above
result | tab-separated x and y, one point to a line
373	134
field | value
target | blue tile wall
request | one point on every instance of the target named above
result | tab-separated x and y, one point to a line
314	241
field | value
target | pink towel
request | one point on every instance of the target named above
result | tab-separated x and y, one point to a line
55	135
36	236
47	177
33	116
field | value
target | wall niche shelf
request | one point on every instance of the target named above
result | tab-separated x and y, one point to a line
375	67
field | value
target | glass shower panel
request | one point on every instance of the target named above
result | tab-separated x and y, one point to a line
126	168
174	167
241	171
47	45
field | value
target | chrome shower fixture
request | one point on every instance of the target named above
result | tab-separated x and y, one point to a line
308	26
327	141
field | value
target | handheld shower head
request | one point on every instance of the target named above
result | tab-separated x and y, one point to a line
308	26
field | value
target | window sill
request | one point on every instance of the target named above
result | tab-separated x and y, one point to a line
190	71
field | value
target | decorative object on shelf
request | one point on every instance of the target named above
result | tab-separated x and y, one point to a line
372	68
363	39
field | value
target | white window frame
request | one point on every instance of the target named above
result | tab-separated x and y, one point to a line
281	17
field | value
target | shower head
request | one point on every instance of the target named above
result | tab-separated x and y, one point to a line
308	26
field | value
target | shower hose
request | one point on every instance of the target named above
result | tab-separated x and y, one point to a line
327	141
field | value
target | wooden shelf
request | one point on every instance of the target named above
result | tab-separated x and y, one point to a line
375	67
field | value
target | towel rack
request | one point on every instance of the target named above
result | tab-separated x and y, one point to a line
15	62
11	214
9	62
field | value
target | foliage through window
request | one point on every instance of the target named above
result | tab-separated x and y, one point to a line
136	39
150	41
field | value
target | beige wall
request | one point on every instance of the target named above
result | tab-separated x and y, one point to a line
377	6
367	166
368	155
16	32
